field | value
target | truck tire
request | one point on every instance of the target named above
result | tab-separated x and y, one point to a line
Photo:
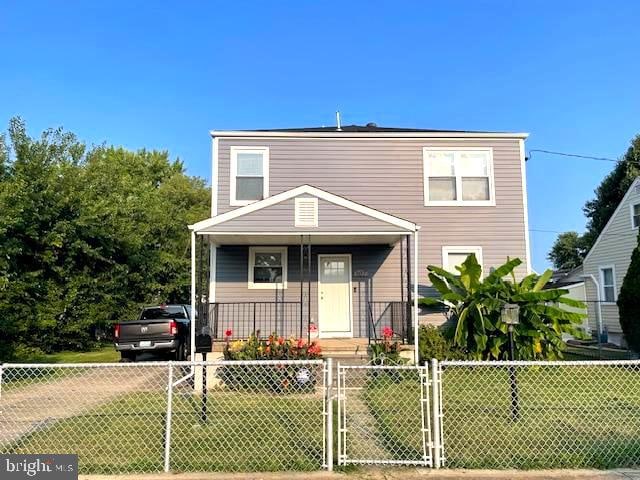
181	353
126	357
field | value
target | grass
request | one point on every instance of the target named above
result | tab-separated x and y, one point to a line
243	432
104	354
570	417
18	378
393	399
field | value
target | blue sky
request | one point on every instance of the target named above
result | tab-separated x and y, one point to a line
162	74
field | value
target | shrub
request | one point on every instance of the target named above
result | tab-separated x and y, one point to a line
433	343
278	378
629	301
270	348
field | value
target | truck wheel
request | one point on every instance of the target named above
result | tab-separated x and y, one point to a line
181	353
126	357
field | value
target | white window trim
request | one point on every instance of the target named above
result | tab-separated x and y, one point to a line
446	250
450	203
233	157
631	205
252	263
615	287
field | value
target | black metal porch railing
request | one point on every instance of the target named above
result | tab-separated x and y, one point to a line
393	314
245	318
284	319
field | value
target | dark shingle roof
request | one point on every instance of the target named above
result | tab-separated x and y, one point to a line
369	128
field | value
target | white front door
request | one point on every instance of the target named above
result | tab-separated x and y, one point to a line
334	295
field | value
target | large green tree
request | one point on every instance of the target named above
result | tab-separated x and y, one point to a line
86	236
629	301
568	251
599	210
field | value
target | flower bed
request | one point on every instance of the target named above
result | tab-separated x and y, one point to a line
279	377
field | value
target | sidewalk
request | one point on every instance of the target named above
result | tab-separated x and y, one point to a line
391	474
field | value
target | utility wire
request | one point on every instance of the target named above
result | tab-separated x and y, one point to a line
587	157
540	230
575	155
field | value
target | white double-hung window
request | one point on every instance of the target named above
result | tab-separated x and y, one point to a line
608	284
249	175
268	267
458	176
635	215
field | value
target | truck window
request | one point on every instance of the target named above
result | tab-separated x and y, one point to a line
167	312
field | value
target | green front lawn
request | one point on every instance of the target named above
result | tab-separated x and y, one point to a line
393	399
569	417
243	432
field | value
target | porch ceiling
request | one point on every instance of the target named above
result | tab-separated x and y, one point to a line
314	238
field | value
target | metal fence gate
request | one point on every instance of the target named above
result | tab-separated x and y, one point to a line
384	415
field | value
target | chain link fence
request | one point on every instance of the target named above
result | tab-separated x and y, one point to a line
384	415
150	417
539	414
277	416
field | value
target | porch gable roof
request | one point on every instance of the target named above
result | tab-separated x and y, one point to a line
333	211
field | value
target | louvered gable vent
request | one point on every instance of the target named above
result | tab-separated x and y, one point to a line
306	212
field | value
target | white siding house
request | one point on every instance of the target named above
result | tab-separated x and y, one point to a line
607	262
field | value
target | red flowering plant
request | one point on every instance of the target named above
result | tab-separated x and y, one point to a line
386	349
280	378
273	347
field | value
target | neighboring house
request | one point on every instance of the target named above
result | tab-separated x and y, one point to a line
573	281
607	262
327	232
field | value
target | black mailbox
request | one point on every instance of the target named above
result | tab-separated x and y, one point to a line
203	343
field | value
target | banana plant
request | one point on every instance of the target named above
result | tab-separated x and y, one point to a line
475	304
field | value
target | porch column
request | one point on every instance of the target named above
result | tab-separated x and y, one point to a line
301	282
193	295
415	296
213	251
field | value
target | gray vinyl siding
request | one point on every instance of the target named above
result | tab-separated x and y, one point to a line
280	218
376	275
614	248
387	174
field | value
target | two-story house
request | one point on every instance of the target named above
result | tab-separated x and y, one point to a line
606	265
327	232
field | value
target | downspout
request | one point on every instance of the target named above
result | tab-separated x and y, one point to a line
599	304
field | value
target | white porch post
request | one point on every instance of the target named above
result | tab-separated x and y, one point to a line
213	252
193	295
415	296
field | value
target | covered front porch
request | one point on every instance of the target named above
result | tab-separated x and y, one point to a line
352	276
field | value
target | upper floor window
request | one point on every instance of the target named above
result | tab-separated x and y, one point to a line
608	284
458	176
635	215
249	175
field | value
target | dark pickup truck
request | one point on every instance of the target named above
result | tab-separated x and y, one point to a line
162	330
